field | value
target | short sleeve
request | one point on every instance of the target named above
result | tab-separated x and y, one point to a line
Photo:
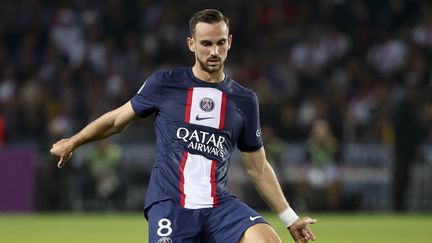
148	98
250	137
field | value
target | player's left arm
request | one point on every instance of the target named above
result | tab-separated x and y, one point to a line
265	181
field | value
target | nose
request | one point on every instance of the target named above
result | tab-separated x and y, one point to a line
214	50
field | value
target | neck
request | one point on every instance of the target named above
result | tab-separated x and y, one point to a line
215	77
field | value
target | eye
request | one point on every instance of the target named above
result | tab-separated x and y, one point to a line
221	42
206	43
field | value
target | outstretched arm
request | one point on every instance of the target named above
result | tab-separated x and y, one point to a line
106	125
264	179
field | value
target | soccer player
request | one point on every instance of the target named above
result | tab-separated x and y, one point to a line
201	116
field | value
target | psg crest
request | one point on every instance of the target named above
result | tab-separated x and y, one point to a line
207	104
165	240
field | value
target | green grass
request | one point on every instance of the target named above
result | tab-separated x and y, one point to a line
131	228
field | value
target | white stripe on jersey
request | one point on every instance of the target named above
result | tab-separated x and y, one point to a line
197	182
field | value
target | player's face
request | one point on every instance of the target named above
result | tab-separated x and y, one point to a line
210	44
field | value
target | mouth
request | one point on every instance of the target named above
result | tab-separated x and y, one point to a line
213	61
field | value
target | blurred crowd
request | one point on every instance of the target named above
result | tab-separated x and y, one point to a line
362	66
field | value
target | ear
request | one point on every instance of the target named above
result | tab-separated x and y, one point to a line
229	41
191	44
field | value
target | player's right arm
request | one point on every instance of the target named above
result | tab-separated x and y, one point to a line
106	125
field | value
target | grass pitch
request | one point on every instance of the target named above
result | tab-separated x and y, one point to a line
132	228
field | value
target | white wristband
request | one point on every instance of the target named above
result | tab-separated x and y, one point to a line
288	217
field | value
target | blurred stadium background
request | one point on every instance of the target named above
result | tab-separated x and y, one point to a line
345	91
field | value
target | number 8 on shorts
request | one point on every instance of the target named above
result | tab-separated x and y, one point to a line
164	227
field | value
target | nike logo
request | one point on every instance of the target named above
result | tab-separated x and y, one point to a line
200	118
253	218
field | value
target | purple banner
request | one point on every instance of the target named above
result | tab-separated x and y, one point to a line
17	168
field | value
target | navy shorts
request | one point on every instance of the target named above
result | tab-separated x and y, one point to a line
169	222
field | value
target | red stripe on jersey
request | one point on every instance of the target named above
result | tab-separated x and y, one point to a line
188	105
182	166
222	112
213	183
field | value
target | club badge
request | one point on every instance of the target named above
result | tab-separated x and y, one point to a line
207	104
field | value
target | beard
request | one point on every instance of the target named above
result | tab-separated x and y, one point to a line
211	68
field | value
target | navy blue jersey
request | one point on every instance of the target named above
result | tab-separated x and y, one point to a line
198	125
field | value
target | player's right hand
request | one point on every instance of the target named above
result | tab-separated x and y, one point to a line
63	150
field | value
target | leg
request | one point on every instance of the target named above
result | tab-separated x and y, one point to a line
260	233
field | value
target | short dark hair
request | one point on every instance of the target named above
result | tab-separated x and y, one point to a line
209	16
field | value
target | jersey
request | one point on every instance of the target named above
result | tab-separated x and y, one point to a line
198	125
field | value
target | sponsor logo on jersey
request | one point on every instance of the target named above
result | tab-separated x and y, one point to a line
200	118
207	104
205	142
165	240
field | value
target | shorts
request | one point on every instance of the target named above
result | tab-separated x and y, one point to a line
169	222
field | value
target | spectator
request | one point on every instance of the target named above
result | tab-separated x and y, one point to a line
323	178
103	161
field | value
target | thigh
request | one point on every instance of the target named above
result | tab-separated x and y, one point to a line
260	233
169	222
229	221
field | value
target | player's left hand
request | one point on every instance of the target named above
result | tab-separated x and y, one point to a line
300	231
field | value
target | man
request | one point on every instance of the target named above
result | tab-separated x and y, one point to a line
201	115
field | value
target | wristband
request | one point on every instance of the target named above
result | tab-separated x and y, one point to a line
288	217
